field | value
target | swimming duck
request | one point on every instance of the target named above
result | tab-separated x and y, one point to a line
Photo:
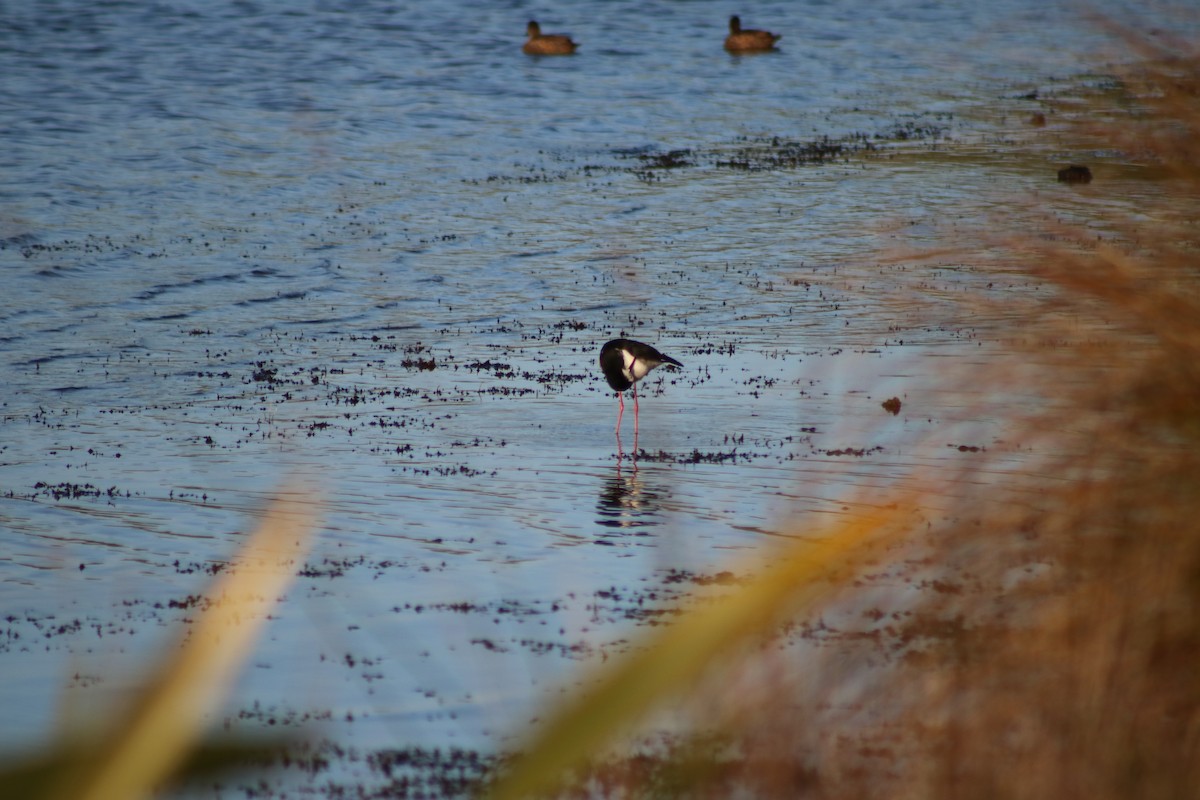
547	44
750	40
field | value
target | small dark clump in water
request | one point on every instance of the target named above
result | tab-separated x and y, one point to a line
1075	173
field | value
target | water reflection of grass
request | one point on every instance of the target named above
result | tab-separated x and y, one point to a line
1046	650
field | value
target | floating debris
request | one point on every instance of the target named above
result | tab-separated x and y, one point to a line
1076	173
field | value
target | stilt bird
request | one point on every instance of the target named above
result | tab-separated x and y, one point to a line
624	363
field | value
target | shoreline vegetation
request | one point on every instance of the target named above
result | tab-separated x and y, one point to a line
1049	649
1046	649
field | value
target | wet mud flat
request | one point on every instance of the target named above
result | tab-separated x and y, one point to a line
315	766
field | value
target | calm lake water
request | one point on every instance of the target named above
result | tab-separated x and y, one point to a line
374	242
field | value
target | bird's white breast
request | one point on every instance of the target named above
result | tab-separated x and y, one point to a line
634	369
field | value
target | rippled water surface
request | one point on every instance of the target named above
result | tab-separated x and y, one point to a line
375	242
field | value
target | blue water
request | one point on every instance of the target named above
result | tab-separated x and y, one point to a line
231	232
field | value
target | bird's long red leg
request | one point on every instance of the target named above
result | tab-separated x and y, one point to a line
635	411
635	445
621	413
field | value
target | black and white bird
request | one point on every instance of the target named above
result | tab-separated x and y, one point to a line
624	362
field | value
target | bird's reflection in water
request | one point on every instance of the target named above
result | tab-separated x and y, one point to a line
621	451
630	499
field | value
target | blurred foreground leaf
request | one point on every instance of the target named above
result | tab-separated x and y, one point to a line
36	775
671	663
161	727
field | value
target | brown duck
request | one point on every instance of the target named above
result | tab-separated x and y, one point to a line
749	40
547	44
